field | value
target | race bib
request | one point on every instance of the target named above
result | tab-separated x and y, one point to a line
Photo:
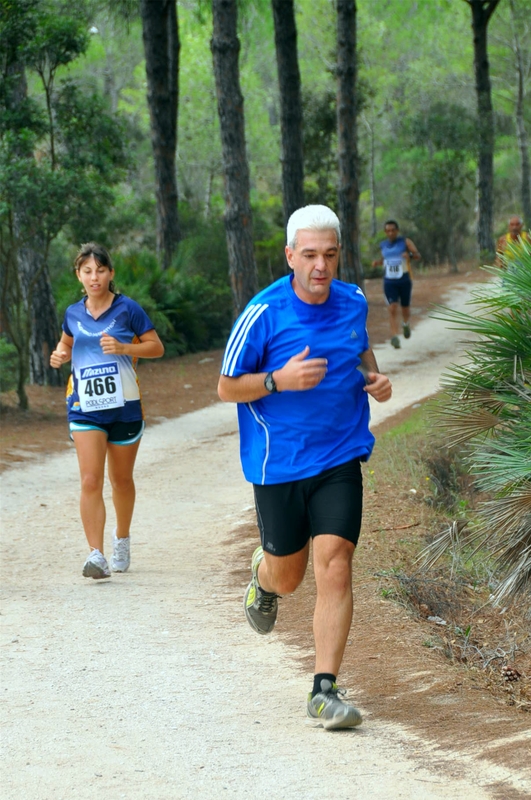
394	268
100	387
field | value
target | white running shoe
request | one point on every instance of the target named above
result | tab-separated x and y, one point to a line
121	553
96	566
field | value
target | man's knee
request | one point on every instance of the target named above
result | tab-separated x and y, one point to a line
333	565
285	577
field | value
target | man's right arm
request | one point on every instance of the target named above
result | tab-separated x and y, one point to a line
298	374
243	389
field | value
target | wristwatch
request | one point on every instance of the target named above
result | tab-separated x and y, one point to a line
269	383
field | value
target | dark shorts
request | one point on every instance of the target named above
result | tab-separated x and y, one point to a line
398	289
290	513
122	433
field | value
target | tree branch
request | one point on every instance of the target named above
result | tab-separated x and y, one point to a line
491	8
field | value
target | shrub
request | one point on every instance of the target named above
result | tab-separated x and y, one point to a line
8	365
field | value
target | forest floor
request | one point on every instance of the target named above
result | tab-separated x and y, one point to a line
162	685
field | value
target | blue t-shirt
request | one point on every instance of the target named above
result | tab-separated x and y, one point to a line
292	435
95	374
395	266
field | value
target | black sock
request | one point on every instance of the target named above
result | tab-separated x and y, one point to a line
321	676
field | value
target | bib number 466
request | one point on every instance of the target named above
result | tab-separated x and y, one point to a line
100	386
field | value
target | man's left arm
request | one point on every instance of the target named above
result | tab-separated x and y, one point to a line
412	250
378	385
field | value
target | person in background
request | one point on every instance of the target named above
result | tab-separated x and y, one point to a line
512	237
397	252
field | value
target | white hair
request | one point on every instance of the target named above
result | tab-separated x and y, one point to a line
312	218
515	216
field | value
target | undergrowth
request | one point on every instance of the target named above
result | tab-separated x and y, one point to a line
454	601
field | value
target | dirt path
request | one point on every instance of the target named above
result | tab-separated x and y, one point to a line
151	685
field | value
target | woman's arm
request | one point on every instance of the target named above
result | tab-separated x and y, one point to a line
63	351
149	346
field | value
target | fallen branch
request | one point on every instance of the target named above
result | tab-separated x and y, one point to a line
396	527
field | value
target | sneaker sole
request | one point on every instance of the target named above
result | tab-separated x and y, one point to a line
114	568
337	724
93	571
258	557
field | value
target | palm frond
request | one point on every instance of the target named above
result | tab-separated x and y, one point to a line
487	407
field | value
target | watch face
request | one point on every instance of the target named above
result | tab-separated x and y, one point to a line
269	383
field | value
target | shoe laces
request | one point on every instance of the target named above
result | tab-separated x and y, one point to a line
335	692
267	601
121	545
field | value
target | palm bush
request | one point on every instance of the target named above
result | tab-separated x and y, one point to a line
488	411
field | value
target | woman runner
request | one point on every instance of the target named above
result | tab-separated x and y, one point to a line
104	335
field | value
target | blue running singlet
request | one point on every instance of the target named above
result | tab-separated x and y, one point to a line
393	261
104	388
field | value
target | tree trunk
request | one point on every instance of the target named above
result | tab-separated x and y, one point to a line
482	11
372	179
40	302
351	267
160	33
289	81
29	310
225	48
520	121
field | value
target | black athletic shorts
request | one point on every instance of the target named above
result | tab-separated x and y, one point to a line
396	289
290	513
122	433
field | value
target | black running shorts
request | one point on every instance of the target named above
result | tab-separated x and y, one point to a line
290	513
398	289
122	433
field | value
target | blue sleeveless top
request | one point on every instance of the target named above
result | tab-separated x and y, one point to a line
395	266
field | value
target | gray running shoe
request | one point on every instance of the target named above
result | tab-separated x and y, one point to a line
260	607
395	341
330	710
121	553
406	330
96	566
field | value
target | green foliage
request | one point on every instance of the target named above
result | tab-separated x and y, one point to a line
489	409
189	311
8	365
320	144
442	180
58	39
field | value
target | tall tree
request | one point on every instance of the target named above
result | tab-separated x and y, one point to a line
521	132
482	11
225	47
289	80
347	112
56	169
160	33
34	38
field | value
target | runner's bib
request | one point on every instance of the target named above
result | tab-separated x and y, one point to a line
100	387
394	267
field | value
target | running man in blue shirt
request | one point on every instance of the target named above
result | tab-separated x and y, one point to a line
104	334
397	252
299	366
